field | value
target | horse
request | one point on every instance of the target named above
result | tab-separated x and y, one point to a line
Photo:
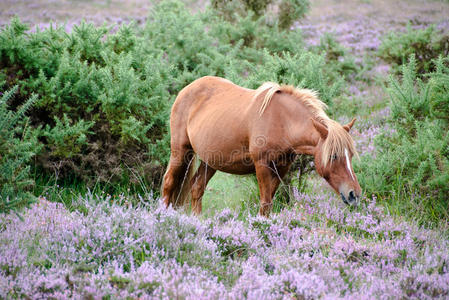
241	131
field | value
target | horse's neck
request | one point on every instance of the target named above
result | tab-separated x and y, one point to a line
302	133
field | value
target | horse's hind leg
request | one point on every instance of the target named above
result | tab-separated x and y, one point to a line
176	183
176	177
199	182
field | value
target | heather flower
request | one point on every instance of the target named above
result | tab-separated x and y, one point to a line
317	249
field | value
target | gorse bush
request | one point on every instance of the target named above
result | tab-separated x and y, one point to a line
291	11
231	9
439	106
310	75
418	99
249	36
104	97
18	145
426	44
283	17
99	107
337	56
413	161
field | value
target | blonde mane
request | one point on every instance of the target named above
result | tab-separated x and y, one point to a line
338	139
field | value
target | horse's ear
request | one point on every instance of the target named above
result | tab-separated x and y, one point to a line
320	128
348	126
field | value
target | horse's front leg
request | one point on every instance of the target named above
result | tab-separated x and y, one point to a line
268	179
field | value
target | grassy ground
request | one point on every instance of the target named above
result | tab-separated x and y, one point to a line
228	191
324	15
385	13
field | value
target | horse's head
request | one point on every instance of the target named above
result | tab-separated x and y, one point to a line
333	156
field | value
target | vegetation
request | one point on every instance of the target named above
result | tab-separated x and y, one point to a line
108	250
18	145
411	166
426	44
288	11
100	115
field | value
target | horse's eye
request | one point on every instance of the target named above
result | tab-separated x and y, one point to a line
334	157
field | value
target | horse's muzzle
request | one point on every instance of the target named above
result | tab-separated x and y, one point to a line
351	200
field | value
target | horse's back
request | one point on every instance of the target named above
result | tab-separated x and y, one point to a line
212	98
203	91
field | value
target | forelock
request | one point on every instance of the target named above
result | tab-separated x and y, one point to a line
337	140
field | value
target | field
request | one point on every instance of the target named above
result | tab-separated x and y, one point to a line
84	116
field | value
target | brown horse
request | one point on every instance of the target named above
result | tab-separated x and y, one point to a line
242	131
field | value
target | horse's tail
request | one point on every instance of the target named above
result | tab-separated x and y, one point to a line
181	195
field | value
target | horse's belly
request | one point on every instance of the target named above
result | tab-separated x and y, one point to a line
222	149
234	162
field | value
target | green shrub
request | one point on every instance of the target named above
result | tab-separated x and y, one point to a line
291	11
185	45
337	56
231	9
285	14
439	106
250	36
410	98
426	44
104	100
413	161
18	145
313	73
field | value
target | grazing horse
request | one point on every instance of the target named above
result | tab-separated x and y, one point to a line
242	131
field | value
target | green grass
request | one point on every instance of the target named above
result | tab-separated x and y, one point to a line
68	192
238	193
224	191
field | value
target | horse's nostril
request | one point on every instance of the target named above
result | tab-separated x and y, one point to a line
351	195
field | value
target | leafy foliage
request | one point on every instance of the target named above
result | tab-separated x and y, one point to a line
291	11
99	107
288	11
231	9
426	44
414	159
18	145
337	56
